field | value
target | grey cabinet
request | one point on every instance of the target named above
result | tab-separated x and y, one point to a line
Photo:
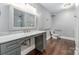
16	51
24	45
40	42
27	45
10	47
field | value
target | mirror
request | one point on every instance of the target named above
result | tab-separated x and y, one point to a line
29	20
21	19
18	18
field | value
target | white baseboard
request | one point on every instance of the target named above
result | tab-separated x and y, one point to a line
64	37
69	38
76	51
48	38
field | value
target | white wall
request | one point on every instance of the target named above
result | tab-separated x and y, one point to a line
77	30
3	18
64	21
43	18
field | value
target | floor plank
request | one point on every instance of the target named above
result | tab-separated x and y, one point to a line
57	47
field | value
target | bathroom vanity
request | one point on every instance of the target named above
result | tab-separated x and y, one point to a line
22	43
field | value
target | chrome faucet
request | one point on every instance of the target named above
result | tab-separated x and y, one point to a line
26	30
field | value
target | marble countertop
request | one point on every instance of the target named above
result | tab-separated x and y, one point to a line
13	36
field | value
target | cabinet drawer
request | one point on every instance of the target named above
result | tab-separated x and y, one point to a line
9	46
16	51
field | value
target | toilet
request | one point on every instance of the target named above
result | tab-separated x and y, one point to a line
54	35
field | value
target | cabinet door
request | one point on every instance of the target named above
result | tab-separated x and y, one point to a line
39	42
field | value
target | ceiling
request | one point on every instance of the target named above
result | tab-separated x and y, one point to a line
53	7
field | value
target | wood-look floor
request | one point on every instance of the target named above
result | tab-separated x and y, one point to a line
57	47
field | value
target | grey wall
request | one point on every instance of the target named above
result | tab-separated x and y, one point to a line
64	21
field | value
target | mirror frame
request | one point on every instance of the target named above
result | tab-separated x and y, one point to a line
11	19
